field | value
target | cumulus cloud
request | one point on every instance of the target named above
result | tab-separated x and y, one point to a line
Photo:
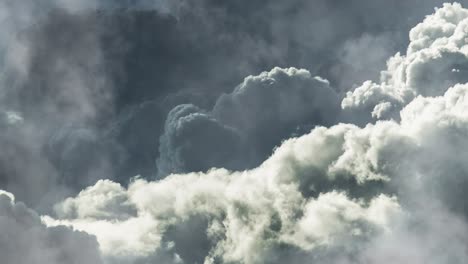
239	224
391	191
301	201
266	173
435	60
245	125
194	140
25	239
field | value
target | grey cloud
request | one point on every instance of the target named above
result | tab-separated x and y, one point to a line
81	156
194	140
25	239
245	125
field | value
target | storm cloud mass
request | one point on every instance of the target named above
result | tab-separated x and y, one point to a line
248	132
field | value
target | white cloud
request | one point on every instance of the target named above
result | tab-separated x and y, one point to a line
438	45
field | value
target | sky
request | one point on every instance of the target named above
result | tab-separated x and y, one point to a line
212	132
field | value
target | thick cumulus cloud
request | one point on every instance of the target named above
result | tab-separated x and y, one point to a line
216	218
25	239
85	96
112	71
391	191
245	125
194	140
312	199
436	59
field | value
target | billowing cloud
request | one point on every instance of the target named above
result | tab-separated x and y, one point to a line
117	69
245	125
391	191
194	140
436	59
25	239
274	171
299	202
211	212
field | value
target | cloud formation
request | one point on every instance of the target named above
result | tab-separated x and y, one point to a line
300	202
391	191
274	171
116	70
25	239
245	125
436	59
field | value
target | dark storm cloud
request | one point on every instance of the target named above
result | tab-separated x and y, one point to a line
209	46
196	141
245	125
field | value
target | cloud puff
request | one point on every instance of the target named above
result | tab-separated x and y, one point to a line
435	60
25	239
81	156
245	125
227	220
196	141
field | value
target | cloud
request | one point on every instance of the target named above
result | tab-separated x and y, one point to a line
246	124
271	172
436	59
391	191
25	239
81	156
51	80
315	203
86	64
237	223
194	140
